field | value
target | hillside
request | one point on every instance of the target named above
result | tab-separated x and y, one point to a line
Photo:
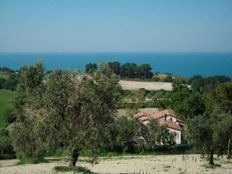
6	100
163	76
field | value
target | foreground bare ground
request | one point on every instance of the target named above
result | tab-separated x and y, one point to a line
188	164
134	85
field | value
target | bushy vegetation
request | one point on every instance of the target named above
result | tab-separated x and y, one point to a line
127	70
211	131
50	116
32	160
167	77
143	98
75	169
129	135
6	105
76	112
202	85
6	149
8	78
203	103
6	117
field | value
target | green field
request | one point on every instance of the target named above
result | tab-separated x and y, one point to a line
6	100
4	75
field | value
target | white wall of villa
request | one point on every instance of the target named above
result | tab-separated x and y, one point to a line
178	135
169	118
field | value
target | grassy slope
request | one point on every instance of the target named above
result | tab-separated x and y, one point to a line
4	75
164	75
6	100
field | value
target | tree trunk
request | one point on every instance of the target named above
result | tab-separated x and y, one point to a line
229	149
74	156
211	158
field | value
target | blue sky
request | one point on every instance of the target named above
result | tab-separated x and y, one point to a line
115	25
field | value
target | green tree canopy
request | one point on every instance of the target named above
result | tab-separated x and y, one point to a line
90	67
65	109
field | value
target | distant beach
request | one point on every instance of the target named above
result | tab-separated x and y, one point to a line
184	64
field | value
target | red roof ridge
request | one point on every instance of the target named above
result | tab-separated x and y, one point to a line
162	113
169	124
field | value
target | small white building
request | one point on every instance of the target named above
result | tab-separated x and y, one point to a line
165	117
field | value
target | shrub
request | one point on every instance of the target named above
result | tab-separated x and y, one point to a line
7	156
32	161
81	169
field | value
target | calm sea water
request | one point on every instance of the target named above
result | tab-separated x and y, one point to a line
185	64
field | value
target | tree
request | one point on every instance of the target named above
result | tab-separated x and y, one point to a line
179	85
9	83
90	67
165	136
85	115
177	102
202	85
206	133
193	105
125	134
199	133
144	71
224	96
27	139
162	103
220	100
72	111
2	83
116	67
197	83
212	82
223	128
129	70
152	136
5	142
186	102
27	125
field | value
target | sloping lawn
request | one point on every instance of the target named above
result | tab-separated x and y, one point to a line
4	75
6	100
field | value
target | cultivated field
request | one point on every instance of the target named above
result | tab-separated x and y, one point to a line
163	164
134	85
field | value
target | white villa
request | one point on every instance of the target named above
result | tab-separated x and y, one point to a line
165	117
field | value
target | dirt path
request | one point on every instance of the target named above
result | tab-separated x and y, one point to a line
163	164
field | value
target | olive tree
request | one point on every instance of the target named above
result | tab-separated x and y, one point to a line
69	110
220	100
79	107
210	133
25	130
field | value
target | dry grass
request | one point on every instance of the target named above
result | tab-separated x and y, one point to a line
135	85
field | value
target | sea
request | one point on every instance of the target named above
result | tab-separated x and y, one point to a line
183	64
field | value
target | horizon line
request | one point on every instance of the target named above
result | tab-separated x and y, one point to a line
74	52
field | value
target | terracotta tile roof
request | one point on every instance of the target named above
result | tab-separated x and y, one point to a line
144	117
162	113
142	114
170	124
